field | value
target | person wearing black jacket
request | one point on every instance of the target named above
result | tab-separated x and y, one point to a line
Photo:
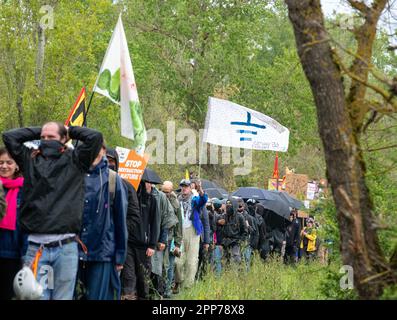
53	198
141	246
133	223
234	232
253	234
264	233
292	236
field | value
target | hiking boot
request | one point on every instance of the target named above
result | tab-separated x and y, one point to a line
175	289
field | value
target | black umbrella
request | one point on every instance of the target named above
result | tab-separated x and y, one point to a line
270	200
277	205
292	202
217	193
254	193
151	176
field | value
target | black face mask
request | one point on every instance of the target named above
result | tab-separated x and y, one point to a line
112	167
229	210
51	148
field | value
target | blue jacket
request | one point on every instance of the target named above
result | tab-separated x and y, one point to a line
104	228
13	244
200	219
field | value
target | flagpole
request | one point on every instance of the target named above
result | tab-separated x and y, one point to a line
277	171
88	108
199	168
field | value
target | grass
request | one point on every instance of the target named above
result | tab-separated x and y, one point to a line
270	281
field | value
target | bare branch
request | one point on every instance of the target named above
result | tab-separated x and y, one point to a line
360	6
382	148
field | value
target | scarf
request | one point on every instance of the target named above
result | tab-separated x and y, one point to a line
51	148
10	219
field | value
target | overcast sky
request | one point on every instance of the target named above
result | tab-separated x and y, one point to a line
330	5
388	19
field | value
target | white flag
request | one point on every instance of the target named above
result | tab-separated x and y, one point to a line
229	124
117	82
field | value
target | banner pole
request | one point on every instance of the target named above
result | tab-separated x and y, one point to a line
88	108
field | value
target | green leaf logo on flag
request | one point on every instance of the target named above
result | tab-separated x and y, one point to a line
116	81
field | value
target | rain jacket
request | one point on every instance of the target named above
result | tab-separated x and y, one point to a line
199	216
167	215
133	211
308	241
53	191
148	231
176	231
104	228
235	230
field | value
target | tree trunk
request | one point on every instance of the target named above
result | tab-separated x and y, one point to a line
39	72
19	106
345	165
20	77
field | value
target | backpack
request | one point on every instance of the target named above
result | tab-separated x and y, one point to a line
112	185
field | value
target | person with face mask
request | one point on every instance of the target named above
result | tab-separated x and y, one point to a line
253	234
292	239
234	232
53	202
219	217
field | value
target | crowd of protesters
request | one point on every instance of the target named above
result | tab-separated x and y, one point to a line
85	233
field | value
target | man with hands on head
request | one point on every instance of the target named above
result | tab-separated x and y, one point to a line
53	201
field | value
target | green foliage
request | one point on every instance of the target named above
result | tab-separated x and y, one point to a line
183	52
390	293
267	281
330	286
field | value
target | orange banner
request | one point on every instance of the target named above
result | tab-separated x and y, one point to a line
131	165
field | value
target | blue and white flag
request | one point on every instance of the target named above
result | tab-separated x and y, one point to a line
231	125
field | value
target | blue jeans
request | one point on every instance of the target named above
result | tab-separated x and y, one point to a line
218	252
247	253
101	280
57	270
170	274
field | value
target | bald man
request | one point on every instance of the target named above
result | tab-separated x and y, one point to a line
167	187
174	238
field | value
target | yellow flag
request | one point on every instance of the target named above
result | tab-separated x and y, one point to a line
187	175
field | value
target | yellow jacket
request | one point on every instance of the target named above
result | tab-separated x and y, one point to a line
311	237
